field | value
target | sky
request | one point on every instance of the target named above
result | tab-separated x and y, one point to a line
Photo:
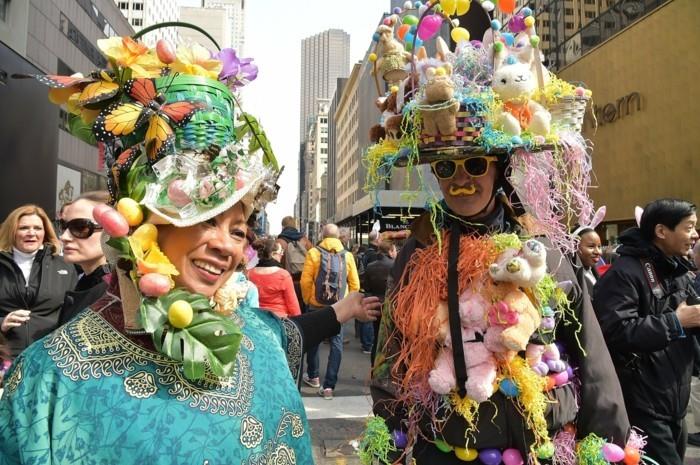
274	30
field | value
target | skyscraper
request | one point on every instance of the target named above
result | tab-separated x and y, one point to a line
324	58
235	14
144	13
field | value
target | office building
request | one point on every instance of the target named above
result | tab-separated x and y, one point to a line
144	13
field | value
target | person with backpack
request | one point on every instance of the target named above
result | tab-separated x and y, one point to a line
294	248
329	274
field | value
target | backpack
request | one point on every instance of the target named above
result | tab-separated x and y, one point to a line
331	279
294	258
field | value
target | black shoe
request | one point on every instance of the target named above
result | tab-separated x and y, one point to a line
694	439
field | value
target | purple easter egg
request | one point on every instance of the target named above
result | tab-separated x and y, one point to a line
517	24
569	371
400	438
490	456
547	323
561	378
613	452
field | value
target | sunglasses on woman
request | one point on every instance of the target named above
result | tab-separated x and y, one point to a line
473	166
80	228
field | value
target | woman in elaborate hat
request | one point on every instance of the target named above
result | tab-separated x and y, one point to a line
172	364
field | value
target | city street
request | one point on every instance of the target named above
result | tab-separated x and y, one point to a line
336	424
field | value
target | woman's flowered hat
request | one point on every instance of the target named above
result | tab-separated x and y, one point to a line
178	151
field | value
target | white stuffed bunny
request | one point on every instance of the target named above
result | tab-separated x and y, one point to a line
515	84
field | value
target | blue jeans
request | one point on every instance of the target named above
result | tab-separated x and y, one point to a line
366	336
334	358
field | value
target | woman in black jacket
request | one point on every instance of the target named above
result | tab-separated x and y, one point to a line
33	277
641	303
81	238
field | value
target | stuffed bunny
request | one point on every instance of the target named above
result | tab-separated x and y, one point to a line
514	84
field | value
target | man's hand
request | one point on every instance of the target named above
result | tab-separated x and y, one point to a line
688	315
356	305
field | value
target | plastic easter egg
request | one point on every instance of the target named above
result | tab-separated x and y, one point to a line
154	284
403	29
442	446
545	451
407	5
508	388
560	378
459	34
455	22
387	22
569	371
490	456
570	428
632	456
512	457
408	45
509	38
516	24
580	91
113	223
99	210
146	235
396	10
547	311
498	47
400	438
410	19
165	51
515	140
529	21
535	41
131	210
466	455
449	6
375	37
496	25
372	57
506	6
547	323
488	6
176	193
417	4
613	452
463	6
180	314
526	12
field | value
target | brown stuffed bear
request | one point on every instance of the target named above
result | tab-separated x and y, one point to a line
439	107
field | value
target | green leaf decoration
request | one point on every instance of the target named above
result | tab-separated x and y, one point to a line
138	177
121	245
81	129
258	139
209	337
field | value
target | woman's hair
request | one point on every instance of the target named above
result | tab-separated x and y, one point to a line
265	247
668	212
9	228
92	196
582	231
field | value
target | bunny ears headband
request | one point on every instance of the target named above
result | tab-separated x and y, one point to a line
595	221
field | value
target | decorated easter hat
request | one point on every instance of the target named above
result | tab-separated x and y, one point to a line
487	94
178	151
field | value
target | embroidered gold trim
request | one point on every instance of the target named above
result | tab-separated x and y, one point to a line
252	432
15	379
141	385
89	348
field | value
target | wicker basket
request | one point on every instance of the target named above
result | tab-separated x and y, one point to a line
211	125
470	122
568	112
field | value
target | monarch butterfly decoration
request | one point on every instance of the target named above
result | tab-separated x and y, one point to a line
97	87
123	118
118	169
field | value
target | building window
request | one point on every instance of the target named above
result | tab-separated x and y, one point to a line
137	6
589	2
137	21
324	151
568	11
4	10
324	140
590	14
568	25
123	5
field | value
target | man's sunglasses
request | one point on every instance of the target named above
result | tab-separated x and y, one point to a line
80	228
473	166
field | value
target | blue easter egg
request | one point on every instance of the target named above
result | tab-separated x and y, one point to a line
375	37
508	388
496	25
526	12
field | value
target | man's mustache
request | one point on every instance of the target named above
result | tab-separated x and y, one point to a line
462	190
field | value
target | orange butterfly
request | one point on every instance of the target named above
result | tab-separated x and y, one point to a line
94	88
121	119
119	168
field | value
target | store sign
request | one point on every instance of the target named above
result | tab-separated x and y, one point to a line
611	112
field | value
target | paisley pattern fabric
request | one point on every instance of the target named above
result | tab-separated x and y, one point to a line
88	394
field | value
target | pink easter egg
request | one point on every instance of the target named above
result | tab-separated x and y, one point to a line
154	284
176	193
560	378
613	452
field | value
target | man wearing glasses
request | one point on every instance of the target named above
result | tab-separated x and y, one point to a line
476	203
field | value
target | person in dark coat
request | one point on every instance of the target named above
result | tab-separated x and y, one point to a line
34	278
475	207
293	260
641	303
81	238
374	281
